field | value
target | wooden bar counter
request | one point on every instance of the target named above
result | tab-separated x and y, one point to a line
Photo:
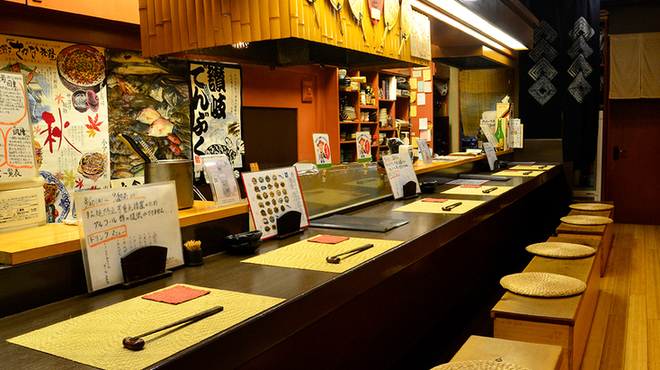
402	309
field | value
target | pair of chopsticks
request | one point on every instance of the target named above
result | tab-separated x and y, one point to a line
336	258
451	206
136	343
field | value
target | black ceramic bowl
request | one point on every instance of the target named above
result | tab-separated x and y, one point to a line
243	248
428	186
243	243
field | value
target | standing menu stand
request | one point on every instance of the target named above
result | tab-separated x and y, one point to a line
402	175
115	222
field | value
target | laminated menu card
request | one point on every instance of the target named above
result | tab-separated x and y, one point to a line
271	194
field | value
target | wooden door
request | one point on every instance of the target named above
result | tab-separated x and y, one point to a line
632	176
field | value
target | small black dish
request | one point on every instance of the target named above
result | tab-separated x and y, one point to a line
428	186
243	243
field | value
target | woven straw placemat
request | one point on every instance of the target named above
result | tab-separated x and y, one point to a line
95	338
459	190
591	206
586	220
529	173
534	167
430	207
308	255
479	365
543	284
560	250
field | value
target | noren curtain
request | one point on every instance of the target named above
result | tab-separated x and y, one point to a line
559	78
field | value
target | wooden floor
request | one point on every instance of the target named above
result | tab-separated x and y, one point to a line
625	333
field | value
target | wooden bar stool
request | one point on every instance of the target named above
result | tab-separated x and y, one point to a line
603	233
562	321
524	354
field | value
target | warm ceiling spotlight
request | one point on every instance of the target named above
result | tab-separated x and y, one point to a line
240	45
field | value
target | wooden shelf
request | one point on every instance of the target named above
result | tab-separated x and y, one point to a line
420	167
54	239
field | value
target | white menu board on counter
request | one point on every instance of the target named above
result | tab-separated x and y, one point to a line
400	171
271	193
115	222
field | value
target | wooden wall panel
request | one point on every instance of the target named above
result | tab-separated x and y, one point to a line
176	25
167	27
160	29
170	26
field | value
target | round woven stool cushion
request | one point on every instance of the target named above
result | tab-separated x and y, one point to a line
479	365
586	220
591	206
543	284
560	250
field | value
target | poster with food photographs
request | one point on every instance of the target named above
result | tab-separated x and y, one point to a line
148	102
65	88
216	103
271	193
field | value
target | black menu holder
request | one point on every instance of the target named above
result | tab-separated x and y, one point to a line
144	265
288	224
409	190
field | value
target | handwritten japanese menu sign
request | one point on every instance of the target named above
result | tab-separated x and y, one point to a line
115	222
216	112
400	171
272	193
17	158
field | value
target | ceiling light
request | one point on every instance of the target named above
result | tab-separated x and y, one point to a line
459	11
450	21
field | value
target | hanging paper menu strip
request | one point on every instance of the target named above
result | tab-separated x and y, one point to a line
17	156
114	222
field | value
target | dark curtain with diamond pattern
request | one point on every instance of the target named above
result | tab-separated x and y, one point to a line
559	77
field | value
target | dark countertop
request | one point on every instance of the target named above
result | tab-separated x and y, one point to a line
317	301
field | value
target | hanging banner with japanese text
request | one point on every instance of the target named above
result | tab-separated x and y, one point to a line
216	112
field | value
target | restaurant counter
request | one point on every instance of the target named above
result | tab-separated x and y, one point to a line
402	309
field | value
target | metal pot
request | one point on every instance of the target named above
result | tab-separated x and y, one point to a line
179	170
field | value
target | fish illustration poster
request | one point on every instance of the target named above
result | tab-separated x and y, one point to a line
216	112
149	102
68	115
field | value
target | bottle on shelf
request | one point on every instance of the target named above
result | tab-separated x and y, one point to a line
499	135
